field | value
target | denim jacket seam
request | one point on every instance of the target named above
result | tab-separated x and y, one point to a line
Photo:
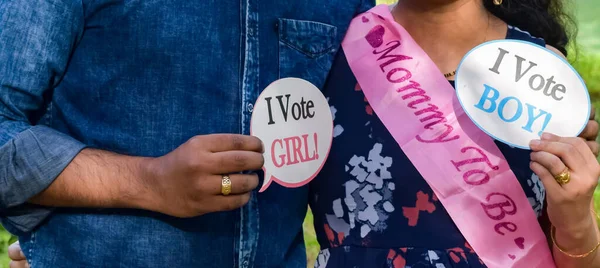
309	54
31	257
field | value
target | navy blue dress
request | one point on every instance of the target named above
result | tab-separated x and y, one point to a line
372	208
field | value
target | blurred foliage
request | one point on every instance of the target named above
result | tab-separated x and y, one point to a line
5	240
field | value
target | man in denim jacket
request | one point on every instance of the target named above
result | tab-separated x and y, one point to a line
106	108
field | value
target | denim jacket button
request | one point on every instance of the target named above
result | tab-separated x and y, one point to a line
250	107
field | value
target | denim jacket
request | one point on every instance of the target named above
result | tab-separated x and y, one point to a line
140	77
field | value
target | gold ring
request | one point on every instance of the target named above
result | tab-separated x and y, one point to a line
564	177
225	185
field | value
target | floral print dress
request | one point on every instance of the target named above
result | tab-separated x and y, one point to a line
372	208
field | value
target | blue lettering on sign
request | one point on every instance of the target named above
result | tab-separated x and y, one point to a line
486	96
503	103
491	96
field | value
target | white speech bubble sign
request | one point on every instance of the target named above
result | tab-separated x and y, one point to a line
294	122
515	90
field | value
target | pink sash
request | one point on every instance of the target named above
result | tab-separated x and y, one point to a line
463	166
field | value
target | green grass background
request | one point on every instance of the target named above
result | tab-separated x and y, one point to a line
587	62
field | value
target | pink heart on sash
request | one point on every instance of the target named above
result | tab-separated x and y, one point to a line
375	36
520	241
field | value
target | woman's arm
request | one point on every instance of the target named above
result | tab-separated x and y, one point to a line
569	211
577	242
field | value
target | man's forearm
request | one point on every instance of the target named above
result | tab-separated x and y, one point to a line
101	179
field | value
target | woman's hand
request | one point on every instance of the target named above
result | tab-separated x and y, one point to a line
569	203
590	133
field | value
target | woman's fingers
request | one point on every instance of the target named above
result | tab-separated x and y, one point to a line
569	153
546	177
590	132
586	149
593	145
552	166
556	154
549	161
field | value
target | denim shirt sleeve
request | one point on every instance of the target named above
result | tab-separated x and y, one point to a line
36	41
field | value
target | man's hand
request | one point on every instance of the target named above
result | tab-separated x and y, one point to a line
187	181
590	133
16	256
184	183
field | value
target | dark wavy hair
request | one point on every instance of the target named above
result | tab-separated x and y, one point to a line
547	19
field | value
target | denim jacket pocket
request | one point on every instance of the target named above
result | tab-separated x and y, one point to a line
306	49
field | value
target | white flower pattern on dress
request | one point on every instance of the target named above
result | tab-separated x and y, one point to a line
322	259
368	197
337	129
539	191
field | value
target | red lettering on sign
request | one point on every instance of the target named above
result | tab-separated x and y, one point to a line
295	150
